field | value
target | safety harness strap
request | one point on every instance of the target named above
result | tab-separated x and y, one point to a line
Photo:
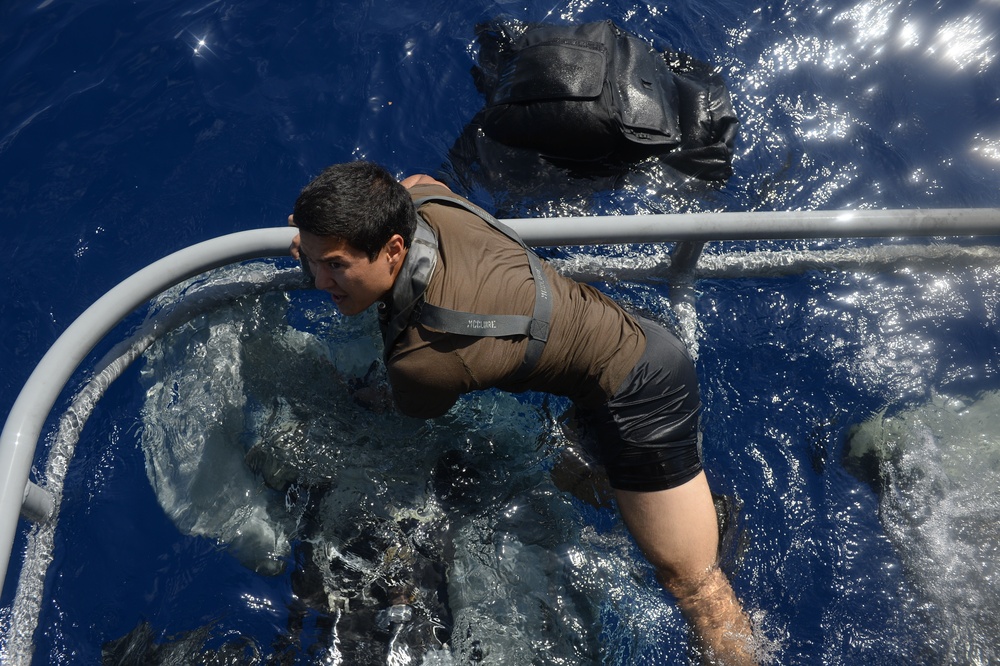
535	327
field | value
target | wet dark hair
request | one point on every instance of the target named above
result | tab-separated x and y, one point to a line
359	202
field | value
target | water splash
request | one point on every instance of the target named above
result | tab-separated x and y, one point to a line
937	468
256	436
18	646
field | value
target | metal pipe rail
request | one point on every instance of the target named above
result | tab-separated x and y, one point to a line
27	417
704	227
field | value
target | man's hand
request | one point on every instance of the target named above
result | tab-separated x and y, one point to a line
296	253
421	179
371	391
293	249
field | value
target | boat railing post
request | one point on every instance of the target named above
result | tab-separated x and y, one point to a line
683	259
38	503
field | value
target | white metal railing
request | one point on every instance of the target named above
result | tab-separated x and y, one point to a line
27	416
690	231
704	227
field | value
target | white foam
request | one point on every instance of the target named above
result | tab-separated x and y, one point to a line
939	465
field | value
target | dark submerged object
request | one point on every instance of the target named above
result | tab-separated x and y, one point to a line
594	96
378	597
143	646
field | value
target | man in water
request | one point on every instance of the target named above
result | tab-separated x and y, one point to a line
464	306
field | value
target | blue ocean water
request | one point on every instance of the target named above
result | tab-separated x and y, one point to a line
130	130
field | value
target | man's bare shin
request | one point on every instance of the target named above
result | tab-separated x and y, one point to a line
721	628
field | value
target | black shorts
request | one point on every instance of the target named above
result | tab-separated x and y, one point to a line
647	435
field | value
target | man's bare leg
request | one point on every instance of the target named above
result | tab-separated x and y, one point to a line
677	531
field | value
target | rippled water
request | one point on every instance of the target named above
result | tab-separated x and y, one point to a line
849	412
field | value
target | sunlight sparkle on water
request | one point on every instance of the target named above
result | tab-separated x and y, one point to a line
793	53
965	44
570	11
872	20
200	46
258	603
909	35
824	122
987	147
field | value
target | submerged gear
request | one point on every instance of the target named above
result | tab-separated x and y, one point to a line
594	92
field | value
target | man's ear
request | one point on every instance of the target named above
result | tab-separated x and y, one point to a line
395	250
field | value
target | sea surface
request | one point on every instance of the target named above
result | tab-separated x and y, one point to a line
229	497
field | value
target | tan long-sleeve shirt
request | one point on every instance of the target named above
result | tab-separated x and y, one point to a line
592	343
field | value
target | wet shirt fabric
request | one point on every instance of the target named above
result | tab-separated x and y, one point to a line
593	349
592	344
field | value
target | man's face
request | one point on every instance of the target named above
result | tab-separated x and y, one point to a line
343	271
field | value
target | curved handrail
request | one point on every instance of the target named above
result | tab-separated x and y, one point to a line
27	417
205	295
33	404
758	225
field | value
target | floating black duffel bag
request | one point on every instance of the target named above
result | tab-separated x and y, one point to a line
595	92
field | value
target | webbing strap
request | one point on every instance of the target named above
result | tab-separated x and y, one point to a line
475	210
469	323
535	327
540	318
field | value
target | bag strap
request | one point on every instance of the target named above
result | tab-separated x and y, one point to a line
535	327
